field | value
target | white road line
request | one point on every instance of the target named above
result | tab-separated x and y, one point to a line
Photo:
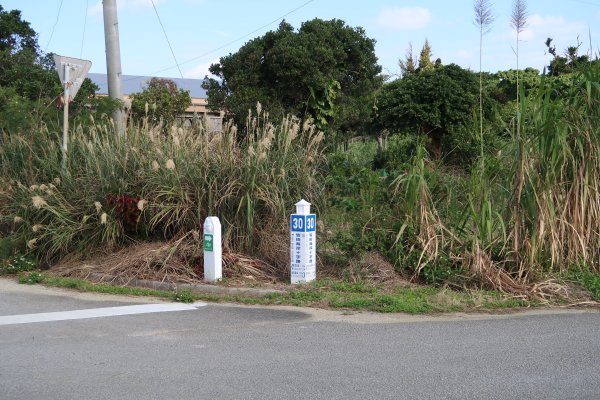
97	313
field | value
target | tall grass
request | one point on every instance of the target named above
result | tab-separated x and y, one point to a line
483	20
422	220
530	208
560	203
169	183
518	22
510	235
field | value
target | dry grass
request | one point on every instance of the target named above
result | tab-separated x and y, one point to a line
372	267
492	276
173	262
447	299
274	249
239	266
152	261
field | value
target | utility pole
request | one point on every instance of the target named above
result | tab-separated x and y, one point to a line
65	116
113	59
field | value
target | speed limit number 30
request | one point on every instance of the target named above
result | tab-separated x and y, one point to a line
303	223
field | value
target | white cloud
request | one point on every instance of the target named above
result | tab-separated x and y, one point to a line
200	70
404	18
533	52
539	28
549	26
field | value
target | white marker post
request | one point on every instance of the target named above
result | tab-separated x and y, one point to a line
213	255
303	244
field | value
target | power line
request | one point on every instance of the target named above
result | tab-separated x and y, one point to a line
166	37
587	2
54	27
226	44
84	25
235	40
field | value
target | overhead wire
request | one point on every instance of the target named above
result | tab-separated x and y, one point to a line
232	41
84	26
166	37
54	27
224	45
587	2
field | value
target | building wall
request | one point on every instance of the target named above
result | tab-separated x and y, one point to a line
197	110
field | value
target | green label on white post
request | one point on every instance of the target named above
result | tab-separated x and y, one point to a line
208	242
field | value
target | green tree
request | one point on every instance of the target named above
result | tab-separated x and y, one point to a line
435	103
29	84
425	63
22	65
326	71
567	63
506	83
408	65
160	100
15	112
15	34
86	104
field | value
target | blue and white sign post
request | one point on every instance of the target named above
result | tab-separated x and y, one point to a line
303	244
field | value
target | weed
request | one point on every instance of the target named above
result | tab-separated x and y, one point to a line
353	302
493	300
303	297
184	296
588	279
353	287
441	270
323	293
449	300
402	147
8	247
72	283
19	264
32	278
79	284
406	301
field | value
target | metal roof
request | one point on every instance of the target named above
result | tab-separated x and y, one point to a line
135	84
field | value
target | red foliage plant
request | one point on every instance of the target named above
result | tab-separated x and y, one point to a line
124	207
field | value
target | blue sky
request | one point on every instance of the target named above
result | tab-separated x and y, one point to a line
201	31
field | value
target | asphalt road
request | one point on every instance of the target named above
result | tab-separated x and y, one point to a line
232	352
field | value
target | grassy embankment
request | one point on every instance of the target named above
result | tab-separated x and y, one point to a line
520	221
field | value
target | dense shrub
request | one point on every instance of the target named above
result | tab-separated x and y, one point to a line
401	149
175	183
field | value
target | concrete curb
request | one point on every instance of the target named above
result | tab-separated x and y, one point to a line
174	287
